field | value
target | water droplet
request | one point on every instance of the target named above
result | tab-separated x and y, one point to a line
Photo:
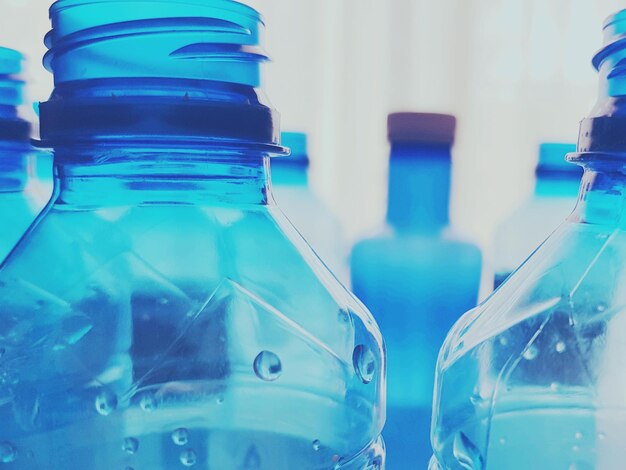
180	437
130	445
575	448
252	460
148	402
503	341
554	386
560	347
466	453
531	352
219	399
601	307
502	440
316	445
578	436
163	301
106	402
601	435
364	363
267	366
8	453
188	458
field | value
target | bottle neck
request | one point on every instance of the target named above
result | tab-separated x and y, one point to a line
125	176
14	162
557	185
602	199
288	173
419	187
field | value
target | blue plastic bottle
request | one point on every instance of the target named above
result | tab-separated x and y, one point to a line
554	198
416	278
318	226
534	378
163	313
20	199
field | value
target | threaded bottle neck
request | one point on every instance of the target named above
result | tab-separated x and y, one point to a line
181	71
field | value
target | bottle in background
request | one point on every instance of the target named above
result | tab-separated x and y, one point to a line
163	313
535	377
556	189
21	199
315	221
416	277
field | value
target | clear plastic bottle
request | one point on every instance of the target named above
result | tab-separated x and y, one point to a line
534	378
554	198
20	199
416	277
163	313
316	223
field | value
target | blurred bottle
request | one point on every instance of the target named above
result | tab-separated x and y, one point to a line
163	313
316	223
556	190
416	277
21	197
535	377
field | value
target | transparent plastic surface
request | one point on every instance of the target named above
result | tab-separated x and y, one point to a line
534	377
315	221
553	200
417	278
162	313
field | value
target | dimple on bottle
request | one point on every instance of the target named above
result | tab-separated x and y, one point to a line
162	313
534	378
20	199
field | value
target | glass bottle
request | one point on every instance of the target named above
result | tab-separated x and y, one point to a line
417	277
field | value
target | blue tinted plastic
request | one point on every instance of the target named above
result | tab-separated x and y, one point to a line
416	278
163	313
21	198
315	221
534	377
554	198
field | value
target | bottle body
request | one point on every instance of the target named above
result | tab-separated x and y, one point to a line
155	332
416	286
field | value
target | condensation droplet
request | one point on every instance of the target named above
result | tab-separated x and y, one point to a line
502	440
267	366
503	340
466	453
219	399
180	437
531	352
8	453
188	458
560	347
131	445
148	402
601	435
106	402
554	386
575	448
578	436
364	363
316	445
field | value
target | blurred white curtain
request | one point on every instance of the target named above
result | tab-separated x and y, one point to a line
515	72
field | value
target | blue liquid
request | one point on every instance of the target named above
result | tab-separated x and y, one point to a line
417	280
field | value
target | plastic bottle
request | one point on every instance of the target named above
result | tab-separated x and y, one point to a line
534	378
20	200
163	313
318	226
416	277
554	198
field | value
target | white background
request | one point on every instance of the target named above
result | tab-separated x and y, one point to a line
515	72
